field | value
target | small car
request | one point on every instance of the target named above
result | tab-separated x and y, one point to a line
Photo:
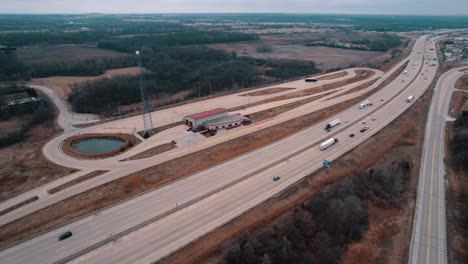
373	119
276	178
351	135
362	130
189	129
363	122
65	235
174	142
366	128
381	100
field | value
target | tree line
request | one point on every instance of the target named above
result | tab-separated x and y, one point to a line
318	230
198	69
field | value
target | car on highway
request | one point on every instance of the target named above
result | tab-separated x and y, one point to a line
65	235
174	142
364	129
363	122
351	135
276	178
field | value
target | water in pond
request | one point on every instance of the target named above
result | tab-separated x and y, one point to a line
97	145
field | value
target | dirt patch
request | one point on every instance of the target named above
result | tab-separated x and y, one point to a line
392	249
333	76
61	84
30	200
23	167
129	141
268	91
462	83
76	181
153	151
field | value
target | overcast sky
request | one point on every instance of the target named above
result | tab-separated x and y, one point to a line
423	7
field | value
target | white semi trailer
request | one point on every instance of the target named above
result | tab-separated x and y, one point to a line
327	143
332	123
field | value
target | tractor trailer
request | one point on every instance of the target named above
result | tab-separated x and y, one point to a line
332	123
327	143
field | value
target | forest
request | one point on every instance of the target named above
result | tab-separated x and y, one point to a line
198	69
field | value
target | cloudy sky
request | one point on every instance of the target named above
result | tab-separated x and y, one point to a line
423	7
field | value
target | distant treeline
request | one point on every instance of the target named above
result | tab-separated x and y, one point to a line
385	43
198	69
183	38
318	230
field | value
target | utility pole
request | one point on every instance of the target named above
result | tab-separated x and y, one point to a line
145	107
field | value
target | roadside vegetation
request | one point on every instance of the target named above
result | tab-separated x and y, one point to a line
199	70
458	194
32	114
318	230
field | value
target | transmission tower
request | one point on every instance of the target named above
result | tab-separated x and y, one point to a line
145	107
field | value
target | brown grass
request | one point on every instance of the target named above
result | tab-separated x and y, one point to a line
457	102
310	91
152	151
14	207
462	83
61	84
23	167
268	113
268	91
76	181
333	76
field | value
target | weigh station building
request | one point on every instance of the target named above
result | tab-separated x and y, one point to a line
215	119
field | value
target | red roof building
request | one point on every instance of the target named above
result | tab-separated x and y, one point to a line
195	120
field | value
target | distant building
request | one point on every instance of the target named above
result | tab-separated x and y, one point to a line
196	120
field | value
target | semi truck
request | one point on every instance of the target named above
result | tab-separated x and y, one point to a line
327	143
332	123
410	98
364	104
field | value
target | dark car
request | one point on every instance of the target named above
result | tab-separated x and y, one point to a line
174	142
276	178
351	135
362	130
65	235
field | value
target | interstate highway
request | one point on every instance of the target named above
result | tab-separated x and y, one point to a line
107	223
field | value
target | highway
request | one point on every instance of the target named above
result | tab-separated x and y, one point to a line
119	169
195	205
428	238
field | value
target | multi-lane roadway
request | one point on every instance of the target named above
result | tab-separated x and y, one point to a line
174	215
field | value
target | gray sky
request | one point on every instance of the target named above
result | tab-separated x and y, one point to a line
424	7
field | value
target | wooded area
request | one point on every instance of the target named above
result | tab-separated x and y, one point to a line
318	230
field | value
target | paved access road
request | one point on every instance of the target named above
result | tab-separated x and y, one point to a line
428	239
195	205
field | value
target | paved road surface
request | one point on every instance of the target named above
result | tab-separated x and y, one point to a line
120	169
233	187
428	239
